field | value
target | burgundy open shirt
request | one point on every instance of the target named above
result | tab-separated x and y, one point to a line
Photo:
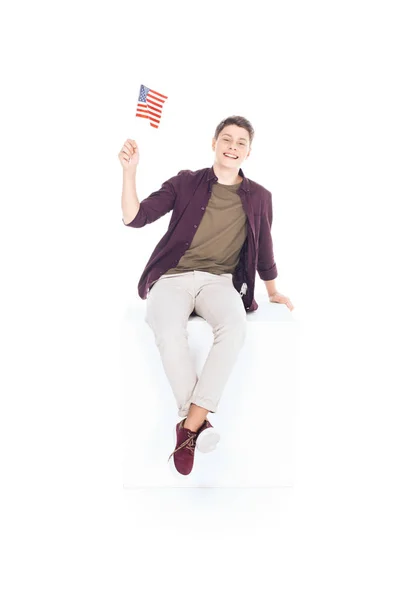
187	195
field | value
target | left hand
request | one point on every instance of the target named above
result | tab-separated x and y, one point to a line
281	299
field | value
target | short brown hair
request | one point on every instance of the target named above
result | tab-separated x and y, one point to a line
235	120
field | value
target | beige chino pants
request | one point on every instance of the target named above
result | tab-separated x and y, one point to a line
170	302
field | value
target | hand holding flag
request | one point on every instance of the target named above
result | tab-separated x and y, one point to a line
129	156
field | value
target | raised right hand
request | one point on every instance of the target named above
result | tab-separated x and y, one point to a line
129	156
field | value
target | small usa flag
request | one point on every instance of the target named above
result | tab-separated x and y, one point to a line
150	105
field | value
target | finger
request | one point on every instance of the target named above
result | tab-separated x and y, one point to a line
131	144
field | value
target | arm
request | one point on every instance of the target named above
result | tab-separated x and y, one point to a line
266	266
271	287
129	202
139	214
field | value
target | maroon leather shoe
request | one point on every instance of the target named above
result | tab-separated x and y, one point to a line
184	449
207	437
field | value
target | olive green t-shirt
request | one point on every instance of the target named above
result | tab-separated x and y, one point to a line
220	235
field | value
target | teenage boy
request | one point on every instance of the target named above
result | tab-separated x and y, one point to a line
218	236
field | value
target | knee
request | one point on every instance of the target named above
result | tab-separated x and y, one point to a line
237	330
168	334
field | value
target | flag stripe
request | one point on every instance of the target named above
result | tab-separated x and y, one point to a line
150	104
158	94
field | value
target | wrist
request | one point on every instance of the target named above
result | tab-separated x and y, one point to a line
129	173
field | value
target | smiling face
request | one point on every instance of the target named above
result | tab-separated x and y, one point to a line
232	140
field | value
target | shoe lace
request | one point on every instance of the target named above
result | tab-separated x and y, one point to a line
190	443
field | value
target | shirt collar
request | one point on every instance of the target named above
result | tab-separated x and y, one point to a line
244	184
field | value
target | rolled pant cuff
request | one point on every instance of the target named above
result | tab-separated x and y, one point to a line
207	404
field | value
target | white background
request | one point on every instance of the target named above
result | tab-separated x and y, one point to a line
319	83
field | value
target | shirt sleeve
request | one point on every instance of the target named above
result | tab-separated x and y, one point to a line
266	266
157	204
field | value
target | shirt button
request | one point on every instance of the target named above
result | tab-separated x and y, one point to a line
195	226
202	208
187	244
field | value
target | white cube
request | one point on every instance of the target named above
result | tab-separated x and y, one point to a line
255	414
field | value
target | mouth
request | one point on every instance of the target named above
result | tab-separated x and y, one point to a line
231	156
